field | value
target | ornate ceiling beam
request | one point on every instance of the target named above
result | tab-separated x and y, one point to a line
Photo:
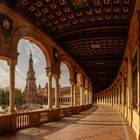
95	58
95	28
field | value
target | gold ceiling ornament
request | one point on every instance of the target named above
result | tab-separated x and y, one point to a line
79	3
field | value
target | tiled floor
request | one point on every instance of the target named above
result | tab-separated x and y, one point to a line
98	123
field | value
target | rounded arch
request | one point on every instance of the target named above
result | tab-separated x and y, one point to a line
68	63
35	37
5	58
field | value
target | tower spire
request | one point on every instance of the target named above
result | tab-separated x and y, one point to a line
31	61
30	53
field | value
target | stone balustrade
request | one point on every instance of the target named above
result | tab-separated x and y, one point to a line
11	123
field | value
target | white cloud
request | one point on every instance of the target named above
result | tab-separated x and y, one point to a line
4	74
41	79
20	73
20	83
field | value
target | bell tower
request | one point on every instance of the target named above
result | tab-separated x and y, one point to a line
31	88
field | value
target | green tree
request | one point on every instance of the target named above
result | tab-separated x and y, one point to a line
18	96
4	96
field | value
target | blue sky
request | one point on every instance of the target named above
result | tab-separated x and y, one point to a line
24	49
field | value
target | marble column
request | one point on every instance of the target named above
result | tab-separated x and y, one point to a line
81	95
122	103
130	86
56	77
49	89
130	98
84	96
71	92
74	94
91	97
115	96
88	97
112	97
12	65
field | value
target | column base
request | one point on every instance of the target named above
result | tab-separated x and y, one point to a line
49	108
56	106
138	136
138	109
130	116
13	111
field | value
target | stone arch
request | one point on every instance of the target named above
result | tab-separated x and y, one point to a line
69	64
4	58
35	37
7	54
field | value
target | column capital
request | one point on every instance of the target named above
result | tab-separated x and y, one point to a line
81	86
48	69
56	77
12	62
49	72
71	81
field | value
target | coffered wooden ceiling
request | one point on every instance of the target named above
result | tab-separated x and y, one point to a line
93	32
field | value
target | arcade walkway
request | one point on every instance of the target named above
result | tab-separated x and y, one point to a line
98	123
